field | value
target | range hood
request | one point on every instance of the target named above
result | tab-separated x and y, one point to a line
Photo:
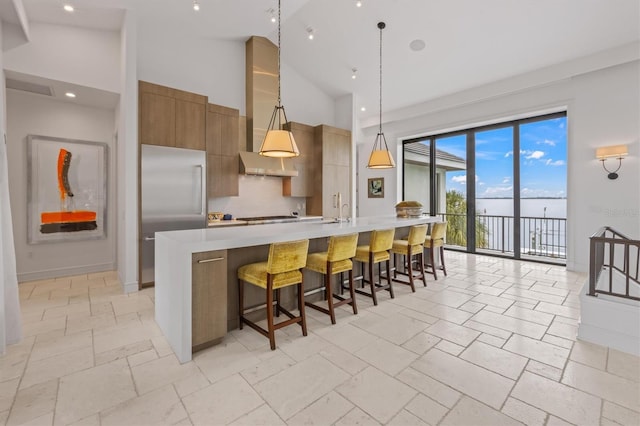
253	163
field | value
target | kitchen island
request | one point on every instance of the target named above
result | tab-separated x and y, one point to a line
180	255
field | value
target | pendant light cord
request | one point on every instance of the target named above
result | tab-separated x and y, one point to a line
381	25
279	100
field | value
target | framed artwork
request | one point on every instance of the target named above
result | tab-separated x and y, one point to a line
376	187
66	189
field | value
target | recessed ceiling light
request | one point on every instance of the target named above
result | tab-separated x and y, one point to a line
310	33
363	109
417	45
196	5
358	3
68	8
272	13
353	73
70	95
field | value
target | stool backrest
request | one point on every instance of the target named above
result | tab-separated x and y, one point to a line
417	234
381	240
342	247
287	256
438	231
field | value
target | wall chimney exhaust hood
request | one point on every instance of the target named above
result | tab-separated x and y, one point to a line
253	163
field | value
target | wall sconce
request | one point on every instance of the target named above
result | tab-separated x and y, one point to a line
613	151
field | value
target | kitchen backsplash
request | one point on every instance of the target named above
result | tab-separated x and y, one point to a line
259	196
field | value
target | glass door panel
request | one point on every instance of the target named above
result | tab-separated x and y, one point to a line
543	188
494	190
417	173
451	188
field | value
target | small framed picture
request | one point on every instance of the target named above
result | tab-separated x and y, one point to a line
376	187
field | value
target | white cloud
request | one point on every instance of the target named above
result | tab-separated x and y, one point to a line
541	193
508	154
506	179
547	142
462	180
498	190
550	162
535	155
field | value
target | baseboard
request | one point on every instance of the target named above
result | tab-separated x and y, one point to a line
131	287
610	338
65	272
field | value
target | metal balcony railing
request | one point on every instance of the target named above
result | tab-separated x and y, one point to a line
544	237
619	257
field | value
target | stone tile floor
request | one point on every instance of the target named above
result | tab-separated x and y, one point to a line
491	344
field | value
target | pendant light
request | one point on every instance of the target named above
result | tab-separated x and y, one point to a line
278	142
380	157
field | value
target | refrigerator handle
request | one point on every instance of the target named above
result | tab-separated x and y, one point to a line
202	189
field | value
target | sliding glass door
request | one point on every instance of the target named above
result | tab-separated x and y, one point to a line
501	188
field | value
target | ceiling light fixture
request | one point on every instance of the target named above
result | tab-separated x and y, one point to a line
358	3
70	95
363	109
196	5
380	157
272	14
68	8
353	73
278	142
310	33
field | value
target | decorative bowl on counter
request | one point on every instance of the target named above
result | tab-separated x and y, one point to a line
408	209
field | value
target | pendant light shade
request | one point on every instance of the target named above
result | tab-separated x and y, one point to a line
277	142
380	157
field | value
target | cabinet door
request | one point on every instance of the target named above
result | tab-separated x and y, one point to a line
190	125
301	185
209	298
222	176
157	119
335	179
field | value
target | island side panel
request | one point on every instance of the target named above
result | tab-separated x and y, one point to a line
173	295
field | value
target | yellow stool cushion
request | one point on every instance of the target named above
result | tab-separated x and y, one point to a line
429	243
256	274
362	255
402	247
318	262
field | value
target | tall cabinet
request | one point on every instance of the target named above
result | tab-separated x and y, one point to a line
332	166
222	142
301	185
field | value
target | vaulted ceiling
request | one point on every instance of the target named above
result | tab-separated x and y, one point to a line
467	43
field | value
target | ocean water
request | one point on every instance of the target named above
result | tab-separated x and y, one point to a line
529	207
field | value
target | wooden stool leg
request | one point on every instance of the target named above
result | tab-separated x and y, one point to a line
409	257
352	292
303	317
329	293
395	262
389	278
421	263
433	263
240	303
277	302
372	283
270	328
444	268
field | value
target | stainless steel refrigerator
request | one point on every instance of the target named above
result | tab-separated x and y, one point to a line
174	196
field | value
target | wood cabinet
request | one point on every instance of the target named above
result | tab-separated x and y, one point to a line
222	144
208	298
332	171
301	185
171	117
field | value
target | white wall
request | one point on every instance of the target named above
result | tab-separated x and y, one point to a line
258	196
601	95
216	68
127	157
34	114
85	57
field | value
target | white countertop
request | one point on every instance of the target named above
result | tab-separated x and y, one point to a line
218	238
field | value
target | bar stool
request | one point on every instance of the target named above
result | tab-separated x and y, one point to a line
337	259
282	269
412	246
436	239
376	252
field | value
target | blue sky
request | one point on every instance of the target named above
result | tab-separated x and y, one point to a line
543	160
